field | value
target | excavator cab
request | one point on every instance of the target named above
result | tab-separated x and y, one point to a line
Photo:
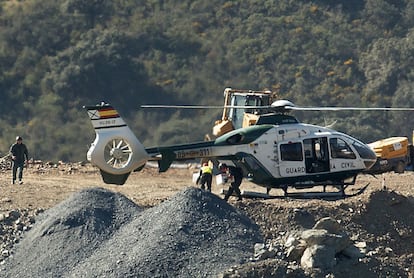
234	118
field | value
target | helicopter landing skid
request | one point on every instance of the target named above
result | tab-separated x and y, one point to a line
325	195
331	196
340	185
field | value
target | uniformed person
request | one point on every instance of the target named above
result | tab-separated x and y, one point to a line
20	156
236	174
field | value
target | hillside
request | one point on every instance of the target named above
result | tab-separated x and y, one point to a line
57	56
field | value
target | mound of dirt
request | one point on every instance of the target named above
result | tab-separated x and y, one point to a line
66	234
382	228
98	233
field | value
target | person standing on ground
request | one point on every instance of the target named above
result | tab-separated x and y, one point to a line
20	156
235	173
206	176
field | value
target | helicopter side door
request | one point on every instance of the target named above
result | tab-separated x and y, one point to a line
316	155
291	161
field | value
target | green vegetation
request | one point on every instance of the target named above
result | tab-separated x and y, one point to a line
58	55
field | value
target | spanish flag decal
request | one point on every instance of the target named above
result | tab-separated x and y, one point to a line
108	113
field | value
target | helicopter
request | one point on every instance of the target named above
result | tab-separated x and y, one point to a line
276	152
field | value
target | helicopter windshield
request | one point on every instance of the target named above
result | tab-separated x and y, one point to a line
363	150
340	149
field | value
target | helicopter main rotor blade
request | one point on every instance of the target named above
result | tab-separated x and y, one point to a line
281	106
203	106
349	108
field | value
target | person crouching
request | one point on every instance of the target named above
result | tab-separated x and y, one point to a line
206	176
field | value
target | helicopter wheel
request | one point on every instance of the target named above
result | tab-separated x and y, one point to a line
117	153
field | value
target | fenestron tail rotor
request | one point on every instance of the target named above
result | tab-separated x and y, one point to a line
118	153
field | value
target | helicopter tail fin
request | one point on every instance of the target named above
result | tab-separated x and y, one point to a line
115	151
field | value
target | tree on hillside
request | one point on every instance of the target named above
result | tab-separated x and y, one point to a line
93	11
101	66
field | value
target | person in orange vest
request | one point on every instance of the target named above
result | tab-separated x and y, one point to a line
206	176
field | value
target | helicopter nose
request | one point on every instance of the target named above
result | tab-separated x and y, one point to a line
369	157
367	154
369	163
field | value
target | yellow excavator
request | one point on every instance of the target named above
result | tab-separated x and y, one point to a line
234	118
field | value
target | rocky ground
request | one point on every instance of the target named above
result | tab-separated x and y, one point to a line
368	235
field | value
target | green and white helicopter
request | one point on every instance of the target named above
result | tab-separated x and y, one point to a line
277	152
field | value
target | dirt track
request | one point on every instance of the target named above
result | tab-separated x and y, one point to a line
382	217
45	186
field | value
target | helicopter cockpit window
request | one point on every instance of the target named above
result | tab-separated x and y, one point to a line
291	152
340	149
235	139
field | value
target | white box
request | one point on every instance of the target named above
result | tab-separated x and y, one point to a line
195	177
223	179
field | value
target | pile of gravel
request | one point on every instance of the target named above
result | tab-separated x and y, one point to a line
99	233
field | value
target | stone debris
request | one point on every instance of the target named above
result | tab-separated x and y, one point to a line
98	233
318	247
43	167
13	224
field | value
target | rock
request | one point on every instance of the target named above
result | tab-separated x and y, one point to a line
360	244
14	215
291	241
294	253
6	200
338	242
5	253
314	236
294	247
261	252
329	224
12	228
322	237
318	256
18	226
352	252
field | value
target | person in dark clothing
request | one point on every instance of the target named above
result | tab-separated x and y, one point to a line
237	175
206	176
20	156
